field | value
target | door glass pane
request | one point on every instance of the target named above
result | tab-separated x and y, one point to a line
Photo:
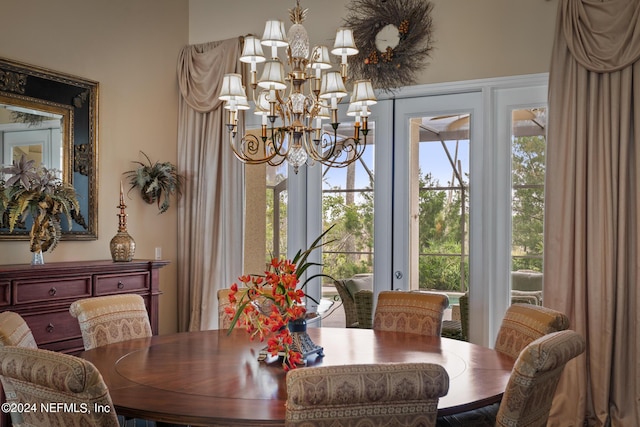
440	203
527	176
347	204
276	212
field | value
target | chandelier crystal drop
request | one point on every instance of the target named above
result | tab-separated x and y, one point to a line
292	111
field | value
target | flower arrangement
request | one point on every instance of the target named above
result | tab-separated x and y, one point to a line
266	304
38	192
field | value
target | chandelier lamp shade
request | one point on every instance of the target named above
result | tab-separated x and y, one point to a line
293	103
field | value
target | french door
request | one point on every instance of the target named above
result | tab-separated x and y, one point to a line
459	193
440	183
436	157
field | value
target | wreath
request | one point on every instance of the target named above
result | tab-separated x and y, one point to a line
397	65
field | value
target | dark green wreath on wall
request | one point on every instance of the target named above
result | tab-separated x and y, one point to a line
397	66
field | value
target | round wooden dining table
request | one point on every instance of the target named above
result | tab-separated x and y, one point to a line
215	378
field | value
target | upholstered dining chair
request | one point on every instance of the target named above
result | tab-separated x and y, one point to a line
14	331
410	311
41	378
523	323
395	394
529	394
110	319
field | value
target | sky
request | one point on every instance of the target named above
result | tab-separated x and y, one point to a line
432	158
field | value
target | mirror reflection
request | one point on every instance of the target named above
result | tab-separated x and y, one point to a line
33	133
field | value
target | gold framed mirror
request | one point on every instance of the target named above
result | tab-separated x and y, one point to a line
52	118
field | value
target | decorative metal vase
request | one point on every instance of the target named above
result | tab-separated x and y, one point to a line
122	245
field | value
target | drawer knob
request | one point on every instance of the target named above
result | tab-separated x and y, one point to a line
53	291
120	284
50	327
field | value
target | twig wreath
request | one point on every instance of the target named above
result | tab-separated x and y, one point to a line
374	23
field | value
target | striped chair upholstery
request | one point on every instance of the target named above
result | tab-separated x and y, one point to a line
45	377
529	394
414	312
110	319
402	394
524	323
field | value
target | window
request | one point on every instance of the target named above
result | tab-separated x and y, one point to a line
527	180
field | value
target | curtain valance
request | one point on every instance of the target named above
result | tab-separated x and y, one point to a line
200	71
603	36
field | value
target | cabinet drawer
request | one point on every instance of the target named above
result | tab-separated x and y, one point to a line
46	290
5	292
121	283
73	346
53	326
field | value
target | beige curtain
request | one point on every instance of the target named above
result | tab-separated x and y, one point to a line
210	217
591	221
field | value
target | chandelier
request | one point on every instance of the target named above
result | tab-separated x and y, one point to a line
292	111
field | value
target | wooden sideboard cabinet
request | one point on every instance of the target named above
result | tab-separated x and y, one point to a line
42	294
